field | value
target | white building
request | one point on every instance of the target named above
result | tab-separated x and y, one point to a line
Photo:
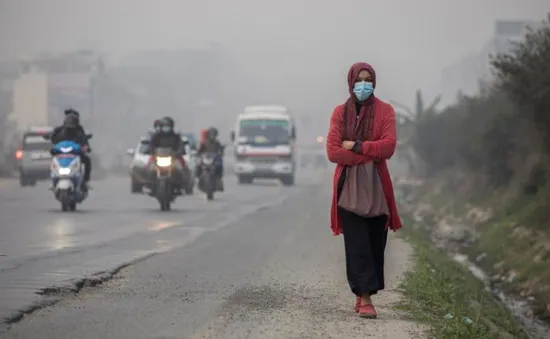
30	100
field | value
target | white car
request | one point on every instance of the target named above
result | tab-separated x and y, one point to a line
138	168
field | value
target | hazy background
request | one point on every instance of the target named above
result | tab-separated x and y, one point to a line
409	42
295	52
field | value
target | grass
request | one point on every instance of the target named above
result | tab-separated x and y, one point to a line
526	253
515	241
446	296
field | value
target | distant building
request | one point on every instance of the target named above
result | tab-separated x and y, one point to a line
186	83
30	100
54	82
466	75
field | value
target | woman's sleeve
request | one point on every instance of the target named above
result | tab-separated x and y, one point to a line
384	148
335	152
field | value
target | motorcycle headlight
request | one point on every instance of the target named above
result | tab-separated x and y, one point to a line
164	161
207	161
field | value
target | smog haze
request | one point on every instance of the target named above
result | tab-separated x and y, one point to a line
296	51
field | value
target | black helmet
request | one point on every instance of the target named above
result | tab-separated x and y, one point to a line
168	121
71	111
71	121
167	124
212	132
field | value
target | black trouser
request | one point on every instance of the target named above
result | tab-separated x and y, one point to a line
365	243
85	159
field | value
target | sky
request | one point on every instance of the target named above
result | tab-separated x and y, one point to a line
292	44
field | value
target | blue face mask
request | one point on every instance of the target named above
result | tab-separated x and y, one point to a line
363	90
165	129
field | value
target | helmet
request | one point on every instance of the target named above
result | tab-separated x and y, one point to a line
168	121
167	124
212	133
71	121
72	112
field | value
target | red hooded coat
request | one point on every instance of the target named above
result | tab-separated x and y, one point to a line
380	149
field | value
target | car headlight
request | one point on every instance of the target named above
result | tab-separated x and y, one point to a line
64	171
164	161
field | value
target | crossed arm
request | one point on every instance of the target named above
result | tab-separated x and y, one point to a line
348	152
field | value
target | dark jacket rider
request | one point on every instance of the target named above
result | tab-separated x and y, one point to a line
166	137
73	131
212	145
78	128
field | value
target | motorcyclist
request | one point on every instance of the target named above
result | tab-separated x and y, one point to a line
166	137
212	145
73	131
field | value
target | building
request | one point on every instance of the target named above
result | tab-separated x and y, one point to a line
467	74
54	82
30	100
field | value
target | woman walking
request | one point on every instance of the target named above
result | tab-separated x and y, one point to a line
361	137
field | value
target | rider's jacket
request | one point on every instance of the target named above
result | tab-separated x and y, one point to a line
75	134
168	140
210	146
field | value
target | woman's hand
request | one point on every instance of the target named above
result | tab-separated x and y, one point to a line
348	144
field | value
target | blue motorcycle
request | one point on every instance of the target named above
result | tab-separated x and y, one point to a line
67	173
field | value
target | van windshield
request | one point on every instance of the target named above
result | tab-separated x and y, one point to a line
264	132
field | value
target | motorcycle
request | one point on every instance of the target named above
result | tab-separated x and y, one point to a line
163	188
208	181
67	173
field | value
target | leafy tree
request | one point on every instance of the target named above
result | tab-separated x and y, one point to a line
500	135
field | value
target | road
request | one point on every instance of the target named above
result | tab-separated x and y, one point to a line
259	262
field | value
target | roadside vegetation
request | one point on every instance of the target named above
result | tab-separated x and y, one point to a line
484	168
447	297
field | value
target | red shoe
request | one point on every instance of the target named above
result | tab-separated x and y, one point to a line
357	304
367	311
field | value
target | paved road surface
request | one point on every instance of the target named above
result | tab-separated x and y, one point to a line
269	270
42	246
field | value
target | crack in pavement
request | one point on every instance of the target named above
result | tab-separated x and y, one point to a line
54	293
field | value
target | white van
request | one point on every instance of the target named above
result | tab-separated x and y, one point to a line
264	139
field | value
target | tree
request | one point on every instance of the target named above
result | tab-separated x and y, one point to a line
410	120
525	75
